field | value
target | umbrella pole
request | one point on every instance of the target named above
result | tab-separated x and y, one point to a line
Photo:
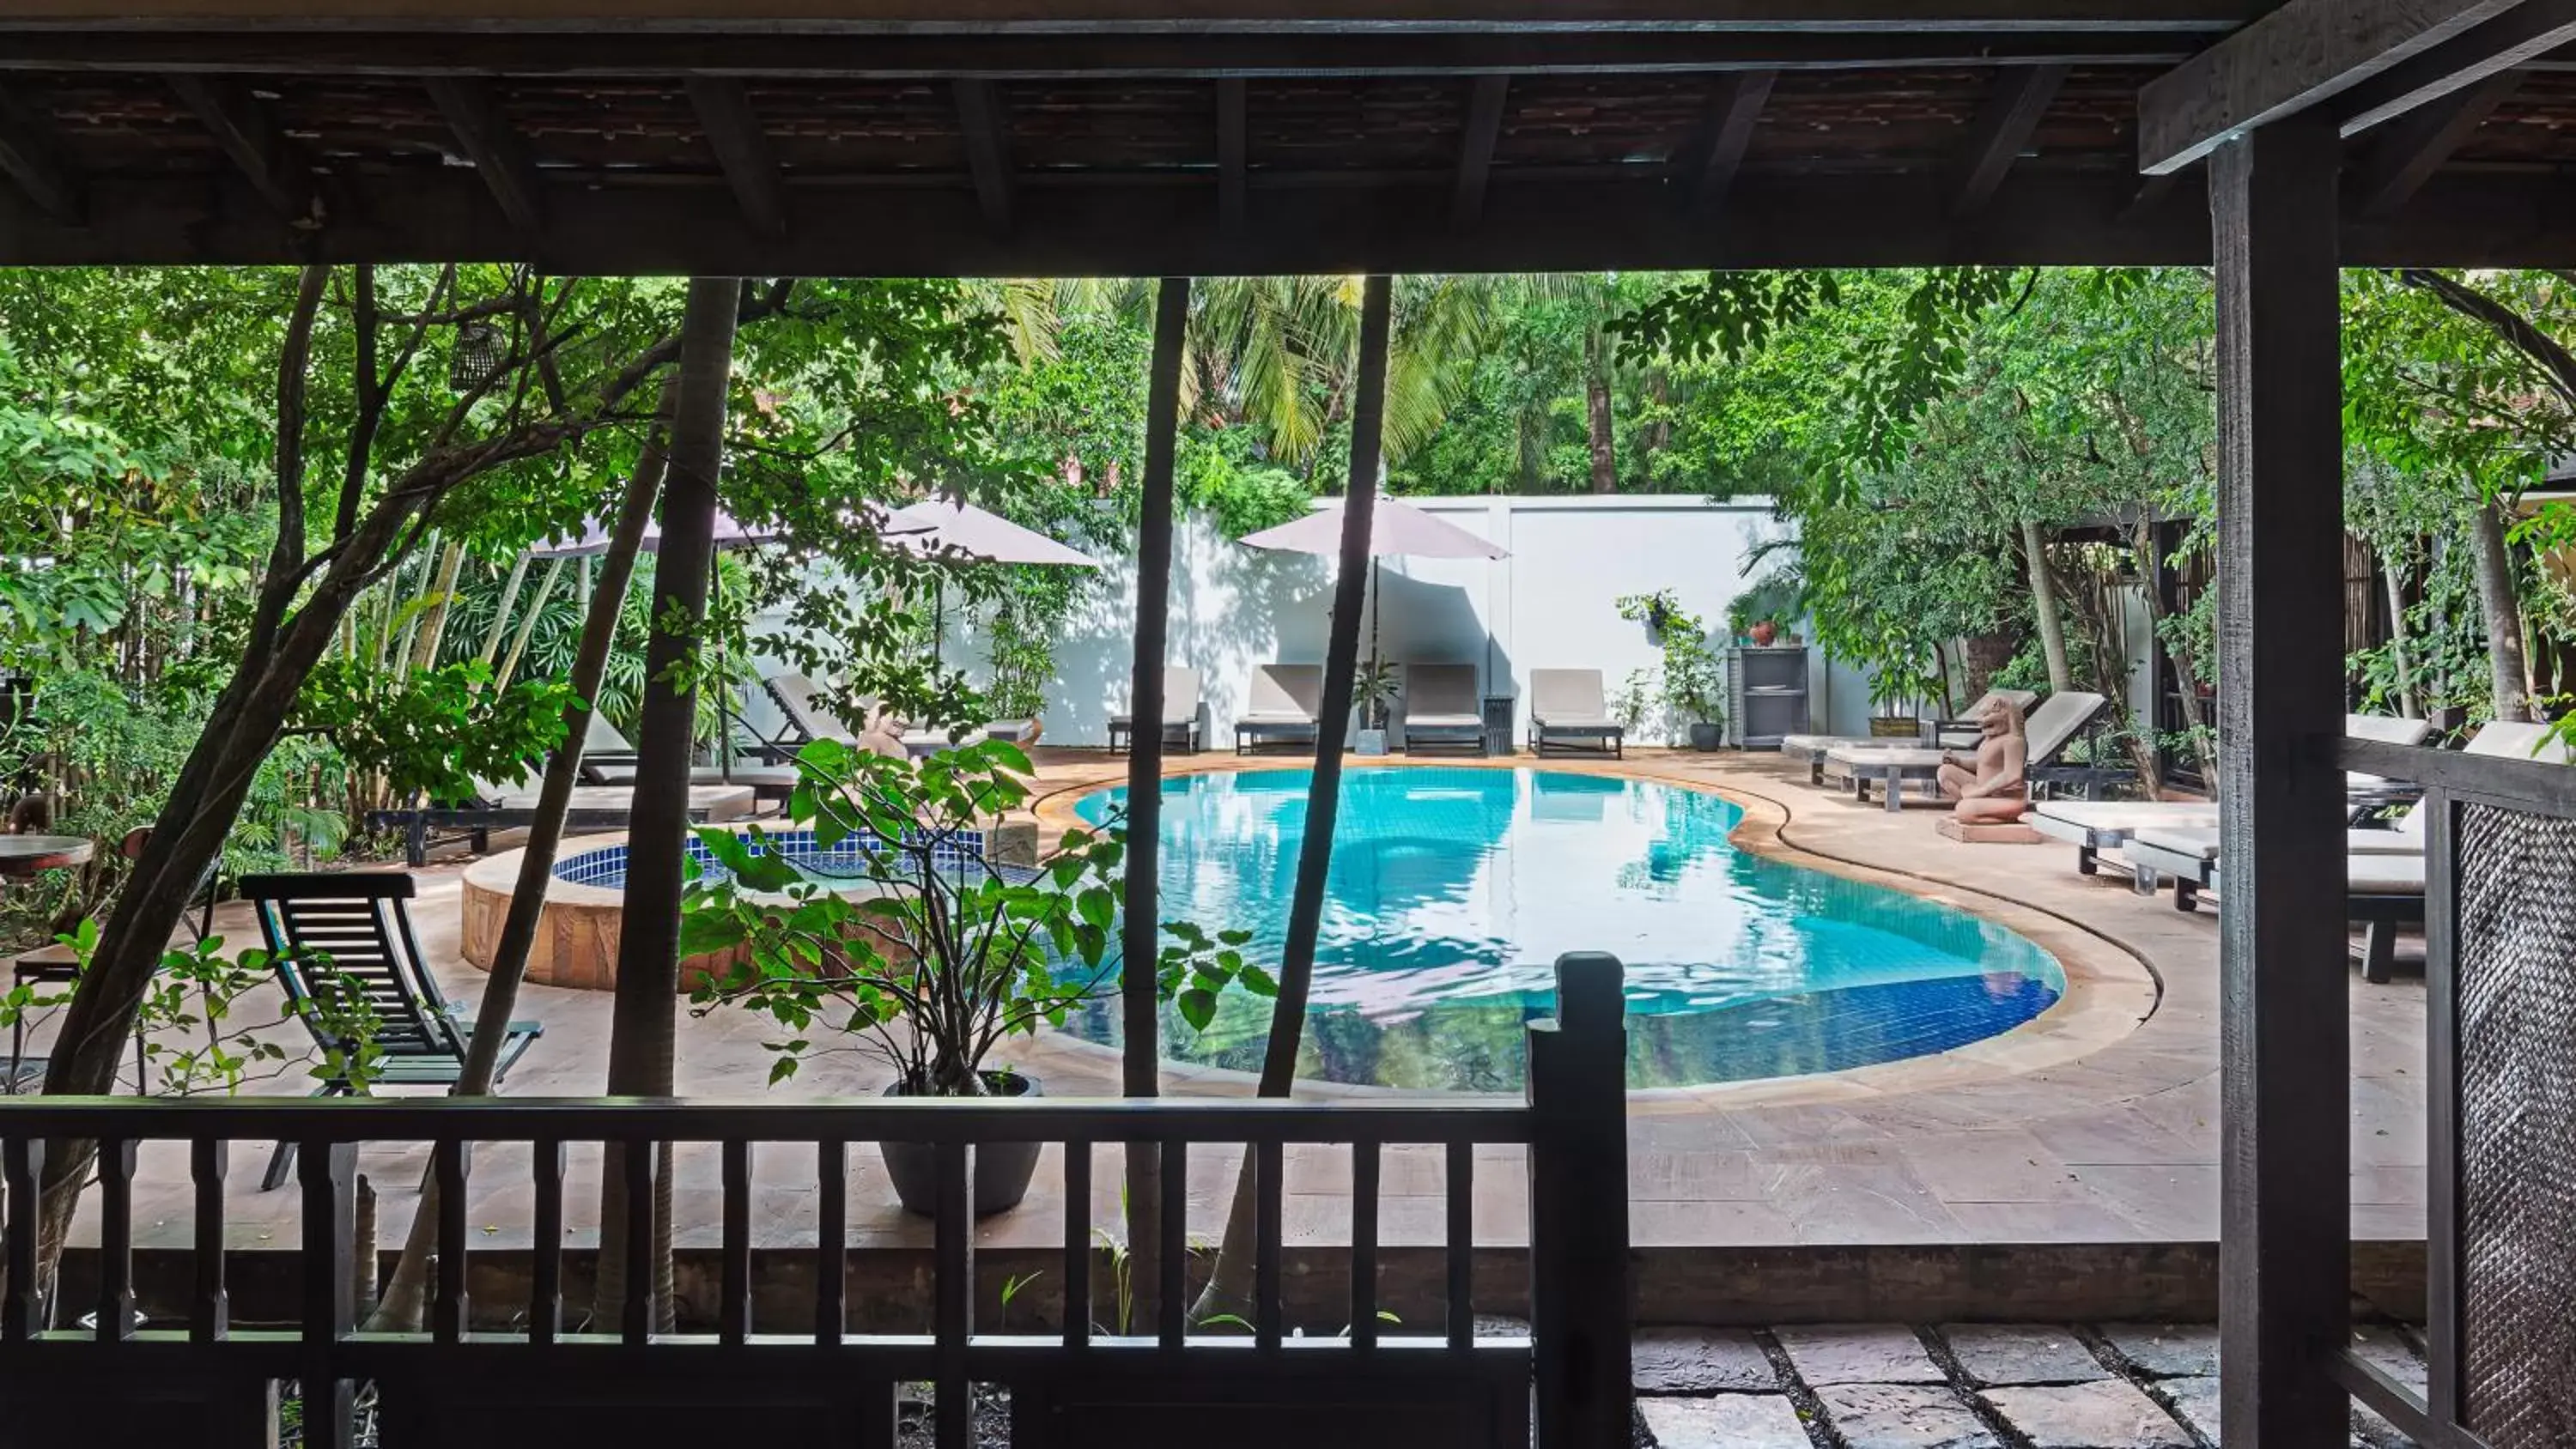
724	677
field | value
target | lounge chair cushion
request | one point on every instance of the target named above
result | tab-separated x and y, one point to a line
1886	757
2102	823
1441	697
1181	690
1284	694
2058	720
1570	701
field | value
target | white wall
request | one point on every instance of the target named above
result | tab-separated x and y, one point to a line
1549	605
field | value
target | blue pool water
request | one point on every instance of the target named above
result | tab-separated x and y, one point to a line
1453	890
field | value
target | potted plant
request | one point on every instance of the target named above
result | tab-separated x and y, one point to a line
1690	683
1373	689
1756	613
900	937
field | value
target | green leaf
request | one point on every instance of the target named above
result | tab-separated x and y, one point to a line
1197	1007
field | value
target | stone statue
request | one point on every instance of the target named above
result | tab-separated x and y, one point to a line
1988	782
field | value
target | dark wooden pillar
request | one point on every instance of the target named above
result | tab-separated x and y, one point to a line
1140	1073
2285	1252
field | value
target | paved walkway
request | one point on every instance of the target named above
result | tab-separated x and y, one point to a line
2088	1126
1958	1386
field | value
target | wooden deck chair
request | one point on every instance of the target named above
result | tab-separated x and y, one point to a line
1181	700
1568	704
1286	698
1441	707
352	930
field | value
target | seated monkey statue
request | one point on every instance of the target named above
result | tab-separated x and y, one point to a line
1989	782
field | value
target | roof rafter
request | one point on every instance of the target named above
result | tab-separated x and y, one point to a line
2400	161
742	151
1232	167
2002	129
484	135
1484	129
988	156
249	138
1734	108
30	158
2524	34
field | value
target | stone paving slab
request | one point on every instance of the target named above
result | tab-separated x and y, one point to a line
2167	1350
1698	1361
1904	1416
2109	1414
2012	1353
1728	1421
1859	1353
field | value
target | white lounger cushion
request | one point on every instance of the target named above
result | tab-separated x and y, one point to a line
1881	757
2102	824
1284	694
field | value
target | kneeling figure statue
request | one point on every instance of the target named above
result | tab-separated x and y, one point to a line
1988	782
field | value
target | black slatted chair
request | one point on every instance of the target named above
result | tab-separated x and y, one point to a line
356	927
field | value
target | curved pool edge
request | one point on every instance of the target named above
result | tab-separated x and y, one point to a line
2110	991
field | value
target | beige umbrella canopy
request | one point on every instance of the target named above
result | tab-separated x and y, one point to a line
936	526
1396	530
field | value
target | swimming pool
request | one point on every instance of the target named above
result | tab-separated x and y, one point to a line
1453	890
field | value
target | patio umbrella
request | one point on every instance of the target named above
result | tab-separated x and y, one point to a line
1396	530
936	525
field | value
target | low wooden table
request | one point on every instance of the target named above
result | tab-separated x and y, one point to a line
1890	765
21	857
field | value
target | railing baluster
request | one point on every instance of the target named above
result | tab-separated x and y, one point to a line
1268	1188
450	1163
1077	1244
545	1280
210	1307
637	1169
832	1242
1364	1165
115	1239
1462	1244
329	1172
21	1162
953	1315
733	1316
1172	1306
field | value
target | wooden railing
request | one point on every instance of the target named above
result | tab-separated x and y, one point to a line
1233	1384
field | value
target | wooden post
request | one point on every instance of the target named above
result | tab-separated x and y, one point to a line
1140	1073
330	1182
1578	1192
2285	1236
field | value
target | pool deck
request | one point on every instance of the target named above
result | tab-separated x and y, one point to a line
2086	1127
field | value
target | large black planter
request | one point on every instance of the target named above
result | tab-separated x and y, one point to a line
1002	1169
1706	737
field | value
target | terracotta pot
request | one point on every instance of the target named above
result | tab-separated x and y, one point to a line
1002	1170
1764	632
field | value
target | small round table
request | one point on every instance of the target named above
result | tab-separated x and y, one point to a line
24	855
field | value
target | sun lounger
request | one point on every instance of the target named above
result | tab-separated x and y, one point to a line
593	808
608	758
1441	707
1285	700
808	720
352	930
2094	826
1568	705
1889	767
1181	701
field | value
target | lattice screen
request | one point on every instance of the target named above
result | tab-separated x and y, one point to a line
2517	1126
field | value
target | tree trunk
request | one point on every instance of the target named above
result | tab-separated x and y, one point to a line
2392	572
2503	611
642	1044
433	624
1596	412
1140	942
405	1296
501	612
536	610
1230	1280
2043	604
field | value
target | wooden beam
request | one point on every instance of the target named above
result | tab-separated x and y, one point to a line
2285	1256
1734	108
1476	149
2305	52
1232	168
742	149
944	55
1125	227
2402	160
249	139
484	135
1082	17
988	153
2528	33
2003	127
30	158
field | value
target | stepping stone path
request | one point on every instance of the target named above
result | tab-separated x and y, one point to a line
1958	1386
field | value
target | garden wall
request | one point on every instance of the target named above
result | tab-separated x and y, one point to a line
1552	604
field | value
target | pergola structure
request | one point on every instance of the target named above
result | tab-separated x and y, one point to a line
1179	137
